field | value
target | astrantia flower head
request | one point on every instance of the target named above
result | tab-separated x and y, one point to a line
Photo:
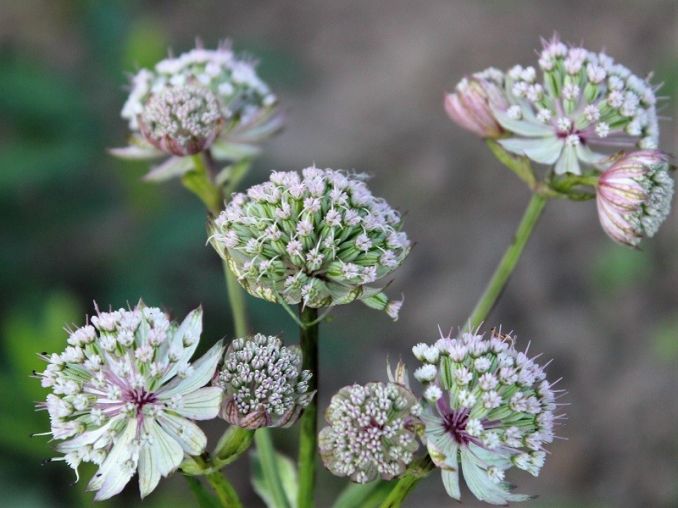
472	103
319	238
247	111
488	407
181	120
123	395
634	196
263	382
584	101
371	432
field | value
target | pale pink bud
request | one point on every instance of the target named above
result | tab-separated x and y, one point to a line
471	104
634	196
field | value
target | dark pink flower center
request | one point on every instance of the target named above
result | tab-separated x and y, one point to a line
455	423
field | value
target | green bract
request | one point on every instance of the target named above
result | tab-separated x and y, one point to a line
319	238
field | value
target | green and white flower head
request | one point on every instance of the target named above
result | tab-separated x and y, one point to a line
248	110
263	382
634	196
584	102
124	394
487	407
372	431
320	238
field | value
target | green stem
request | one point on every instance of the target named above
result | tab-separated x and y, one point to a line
204	498
308	433
508	262
418	470
236	297
266	452
232	444
199	181
225	492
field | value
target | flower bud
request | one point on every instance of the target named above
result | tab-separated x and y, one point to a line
371	432
471	104
634	196
181	121
263	383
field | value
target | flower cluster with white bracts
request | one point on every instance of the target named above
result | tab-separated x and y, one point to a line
486	406
263	382
248	110
319	238
585	101
371	432
181	121
124	394
634	196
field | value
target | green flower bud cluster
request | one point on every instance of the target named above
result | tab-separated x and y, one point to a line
319	238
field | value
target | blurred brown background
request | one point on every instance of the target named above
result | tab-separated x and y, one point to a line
363	84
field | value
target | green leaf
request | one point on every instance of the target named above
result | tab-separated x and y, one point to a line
264	475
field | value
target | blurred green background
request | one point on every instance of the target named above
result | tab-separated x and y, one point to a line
363	84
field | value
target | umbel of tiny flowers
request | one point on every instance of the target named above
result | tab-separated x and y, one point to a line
474	100
585	102
372	431
634	196
181	120
263	383
319	238
486	406
124	394
232	120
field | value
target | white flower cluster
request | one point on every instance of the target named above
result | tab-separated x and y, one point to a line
123	395
584	100
634	196
181	121
263	382
488	407
371	432
248	110
318	238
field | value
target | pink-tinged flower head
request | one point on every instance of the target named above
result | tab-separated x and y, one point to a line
371	431
487	407
576	108
471	104
181	121
123	396
634	196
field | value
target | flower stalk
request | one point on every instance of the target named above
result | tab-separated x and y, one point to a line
508	262
418	470
309	423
